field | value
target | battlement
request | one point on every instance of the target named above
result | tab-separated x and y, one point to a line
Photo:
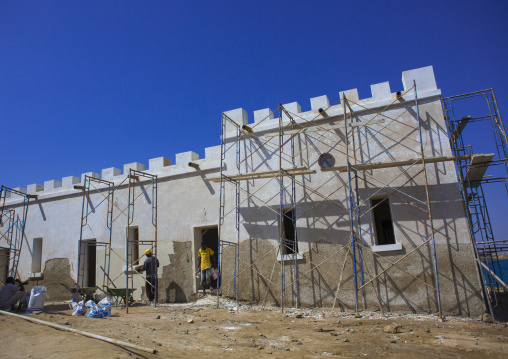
186	163
381	96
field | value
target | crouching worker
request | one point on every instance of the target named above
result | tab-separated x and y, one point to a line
150	268
205	265
13	292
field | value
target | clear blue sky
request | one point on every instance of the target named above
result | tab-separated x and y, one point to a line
86	85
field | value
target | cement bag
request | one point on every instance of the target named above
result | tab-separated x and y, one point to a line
105	307
94	310
36	303
214	273
78	309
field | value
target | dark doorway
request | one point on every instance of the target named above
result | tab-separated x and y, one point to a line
290	243
4	263
211	237
383	221
90	248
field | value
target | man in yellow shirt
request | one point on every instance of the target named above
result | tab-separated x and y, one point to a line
205	264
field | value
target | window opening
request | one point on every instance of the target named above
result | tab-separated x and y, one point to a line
383	221
289	235
37	255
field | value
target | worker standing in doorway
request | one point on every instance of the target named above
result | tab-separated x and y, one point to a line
205	265
150	268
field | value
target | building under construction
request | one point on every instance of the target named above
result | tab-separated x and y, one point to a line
357	204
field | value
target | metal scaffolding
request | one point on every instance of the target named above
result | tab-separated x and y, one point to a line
87	244
472	178
136	179
352	131
12	224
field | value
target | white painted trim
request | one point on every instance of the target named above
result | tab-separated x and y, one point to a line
387	247
289	257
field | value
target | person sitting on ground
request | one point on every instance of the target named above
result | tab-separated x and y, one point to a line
11	294
150	267
205	265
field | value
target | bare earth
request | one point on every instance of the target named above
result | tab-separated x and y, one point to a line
200	330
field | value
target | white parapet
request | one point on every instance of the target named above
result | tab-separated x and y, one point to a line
212	153
70	181
52	184
260	115
293	108
319	102
34	188
110	172
424	77
134	165
158	163
350	95
238	116
89	174
183	159
381	91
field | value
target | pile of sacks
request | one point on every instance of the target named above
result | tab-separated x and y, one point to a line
99	310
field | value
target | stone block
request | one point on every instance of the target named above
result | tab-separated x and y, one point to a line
350	95
110	172
319	102
381	91
238	116
134	165
89	174
69	182
158	163
34	188
293	108
260	115
212	153
424	77
52	184
183	159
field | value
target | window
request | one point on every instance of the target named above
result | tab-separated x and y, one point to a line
289	235
326	160
37	255
383	222
133	246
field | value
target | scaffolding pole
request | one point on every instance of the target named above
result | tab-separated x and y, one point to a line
135	180
15	223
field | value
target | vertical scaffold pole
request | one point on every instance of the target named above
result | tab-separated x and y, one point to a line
281	210
351	209
422	154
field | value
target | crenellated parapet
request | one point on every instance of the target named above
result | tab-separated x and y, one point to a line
381	95
161	166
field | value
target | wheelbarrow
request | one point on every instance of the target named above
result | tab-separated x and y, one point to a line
86	292
121	294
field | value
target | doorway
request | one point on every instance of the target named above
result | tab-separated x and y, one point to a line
210	235
89	247
4	263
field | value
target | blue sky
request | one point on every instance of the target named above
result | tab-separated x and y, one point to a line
87	85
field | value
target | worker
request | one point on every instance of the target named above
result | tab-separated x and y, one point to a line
150	267
11	294
205	264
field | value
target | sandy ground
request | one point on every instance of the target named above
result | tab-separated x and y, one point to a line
200	330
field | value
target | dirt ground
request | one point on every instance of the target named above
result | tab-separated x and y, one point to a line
200	330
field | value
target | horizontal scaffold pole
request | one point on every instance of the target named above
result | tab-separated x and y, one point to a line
415	161
266	174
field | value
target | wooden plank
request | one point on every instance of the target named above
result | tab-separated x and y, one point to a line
326	127
378	165
263	174
477	168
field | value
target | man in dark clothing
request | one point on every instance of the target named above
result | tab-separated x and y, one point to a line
150	268
11	294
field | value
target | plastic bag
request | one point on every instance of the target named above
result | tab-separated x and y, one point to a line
105	307
36	303
214	273
78	308
94	310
